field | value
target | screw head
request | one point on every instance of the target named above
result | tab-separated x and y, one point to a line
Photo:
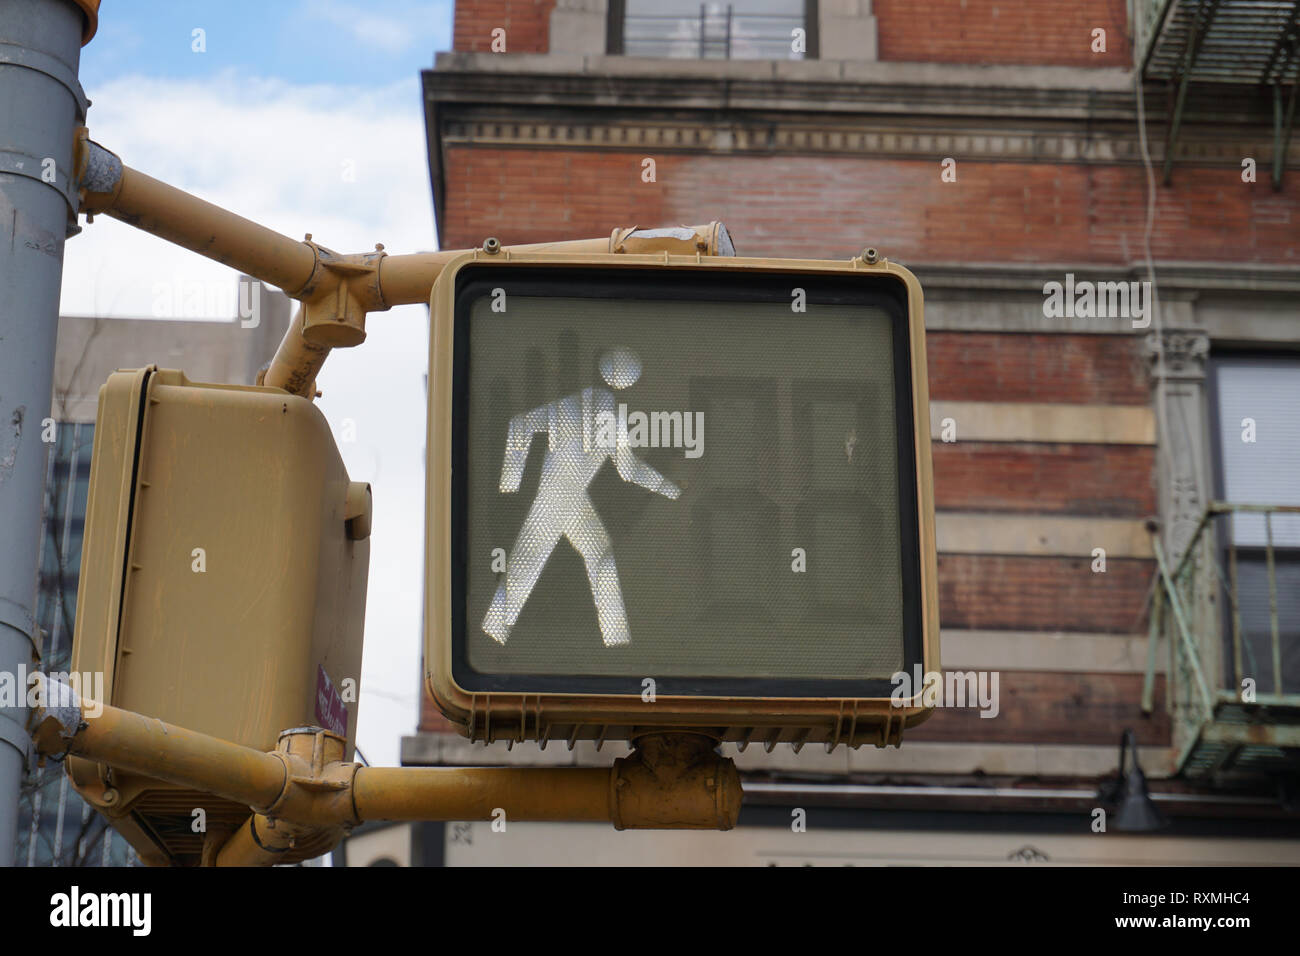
870	255
492	245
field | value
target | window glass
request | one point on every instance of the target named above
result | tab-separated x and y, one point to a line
1259	442
748	30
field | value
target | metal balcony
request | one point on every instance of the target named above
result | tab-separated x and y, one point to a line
1233	637
1207	43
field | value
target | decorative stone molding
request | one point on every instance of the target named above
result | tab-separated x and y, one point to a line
1176	355
1011	143
1176	359
858	107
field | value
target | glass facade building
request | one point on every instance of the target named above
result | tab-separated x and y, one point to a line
56	827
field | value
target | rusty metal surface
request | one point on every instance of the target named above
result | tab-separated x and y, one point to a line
676	781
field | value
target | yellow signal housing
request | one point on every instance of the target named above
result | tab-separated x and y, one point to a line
764	585
223	585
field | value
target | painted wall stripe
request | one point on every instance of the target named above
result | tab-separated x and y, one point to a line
1042	422
1048	535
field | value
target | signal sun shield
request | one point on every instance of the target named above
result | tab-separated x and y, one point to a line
678	492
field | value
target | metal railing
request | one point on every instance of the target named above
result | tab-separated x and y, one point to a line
1203	630
1248	42
718	32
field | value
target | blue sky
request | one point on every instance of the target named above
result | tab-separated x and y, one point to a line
300	41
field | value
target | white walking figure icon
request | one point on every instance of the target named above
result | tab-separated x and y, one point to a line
562	508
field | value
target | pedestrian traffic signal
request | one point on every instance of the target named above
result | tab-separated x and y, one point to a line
222	587
678	492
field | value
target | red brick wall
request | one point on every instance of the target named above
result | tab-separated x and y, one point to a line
1064	708
1054	32
524	196
804	206
1041	478
527	24
431	719
998	367
820	207
1114	481
1015	593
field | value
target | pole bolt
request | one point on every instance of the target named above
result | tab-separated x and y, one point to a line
870	256
492	245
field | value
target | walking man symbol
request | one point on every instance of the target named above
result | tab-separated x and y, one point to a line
562	508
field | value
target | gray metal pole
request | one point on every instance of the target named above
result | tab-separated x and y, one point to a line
41	104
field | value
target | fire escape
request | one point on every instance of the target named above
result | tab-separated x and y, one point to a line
1224	600
1204	49
1233	690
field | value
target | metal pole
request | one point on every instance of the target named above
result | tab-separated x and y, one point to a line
41	105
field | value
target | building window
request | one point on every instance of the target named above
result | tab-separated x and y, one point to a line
715	30
56	827
1256	401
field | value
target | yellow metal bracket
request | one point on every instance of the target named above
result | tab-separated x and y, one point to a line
337	291
304	792
341	291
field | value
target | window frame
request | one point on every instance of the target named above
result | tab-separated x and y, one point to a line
1223	529
617	17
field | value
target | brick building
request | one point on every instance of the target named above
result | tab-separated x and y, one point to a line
993	148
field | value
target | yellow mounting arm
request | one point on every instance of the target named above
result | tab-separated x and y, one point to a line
304	791
336	291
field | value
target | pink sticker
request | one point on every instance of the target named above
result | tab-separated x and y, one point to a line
331	712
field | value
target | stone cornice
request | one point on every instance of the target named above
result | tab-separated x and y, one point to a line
1176	280
835	108
933	74
902	111
811	133
819	86
904	89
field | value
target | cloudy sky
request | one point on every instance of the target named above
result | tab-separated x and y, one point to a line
305	116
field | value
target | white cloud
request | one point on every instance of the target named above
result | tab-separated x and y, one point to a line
391	34
275	153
